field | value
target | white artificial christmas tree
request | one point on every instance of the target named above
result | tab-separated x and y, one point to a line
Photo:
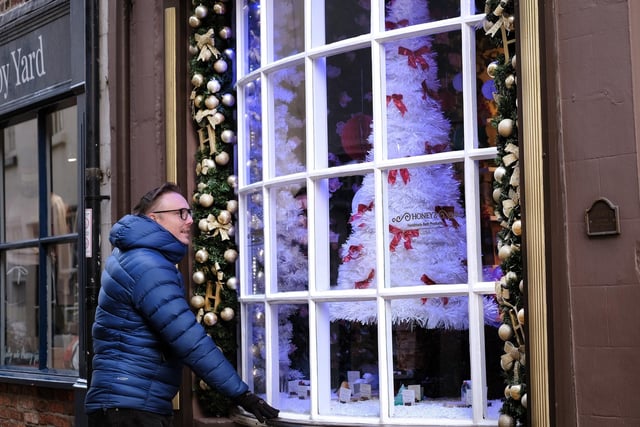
426	225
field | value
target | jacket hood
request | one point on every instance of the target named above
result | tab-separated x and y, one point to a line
139	231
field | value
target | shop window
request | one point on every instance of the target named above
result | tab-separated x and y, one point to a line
38	249
367	248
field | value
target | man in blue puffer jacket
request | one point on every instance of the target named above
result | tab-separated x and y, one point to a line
145	331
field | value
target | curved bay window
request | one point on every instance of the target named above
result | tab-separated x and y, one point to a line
38	259
368	253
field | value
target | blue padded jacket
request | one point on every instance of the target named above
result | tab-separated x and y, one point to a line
144	330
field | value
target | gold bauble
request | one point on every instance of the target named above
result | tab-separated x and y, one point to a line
218	118
224	217
213	86
509	81
517	227
220	66
521	286
505	332
202	255
232	180
232	283
219	9
228	136
197	101
225	33
504	252
222	158
211	102
199	277
497	195
491	69
197	301
203	225
228	99
232	206
514	62
505	127
201	186
499	173
523	400
507	392
511	277
230	255
227	313
201	11
197	80
194	21
521	316
515	391
506	421
210	318
205	200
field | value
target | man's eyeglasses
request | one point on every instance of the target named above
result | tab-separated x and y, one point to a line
184	212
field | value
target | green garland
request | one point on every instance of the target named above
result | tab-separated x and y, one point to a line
499	25
212	98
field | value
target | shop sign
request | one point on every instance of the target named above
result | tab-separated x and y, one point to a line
35	62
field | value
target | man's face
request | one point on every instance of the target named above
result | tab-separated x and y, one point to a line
171	219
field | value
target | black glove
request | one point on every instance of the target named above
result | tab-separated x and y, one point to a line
256	405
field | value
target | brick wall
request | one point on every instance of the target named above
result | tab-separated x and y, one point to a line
29	406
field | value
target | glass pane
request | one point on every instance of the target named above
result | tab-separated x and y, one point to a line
20	308
292	238
21	183
293	342
424	95
64	307
493	346
347	18
354	367
62	131
289	115
288	28
252	17
253	125
489	223
349	108
402	13
431	364
487	107
255	242
257	346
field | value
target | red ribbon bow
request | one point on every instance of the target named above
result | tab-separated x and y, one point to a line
363	284
354	253
361	210
397	100
393	25
414	57
429	281
399	234
393	175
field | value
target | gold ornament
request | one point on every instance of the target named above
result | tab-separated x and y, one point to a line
222	158
517	227
194	22
211	102
206	165
521	316
511	277
232	283
218	118
507	392
515	392
232	180
227	314
206	200
220	66
505	332
197	80
228	100
219	9
504	252
523	400
499	173
197	101
201	11
225	33
506	421
491	69
224	217
202	255
203	225
521	286
203	385
505	127
230	255
232	206
201	186
510	81
210	319
193	49
197	301
497	195
514	61
228	136
199	277
213	86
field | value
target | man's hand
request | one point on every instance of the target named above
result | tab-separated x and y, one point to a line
257	406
